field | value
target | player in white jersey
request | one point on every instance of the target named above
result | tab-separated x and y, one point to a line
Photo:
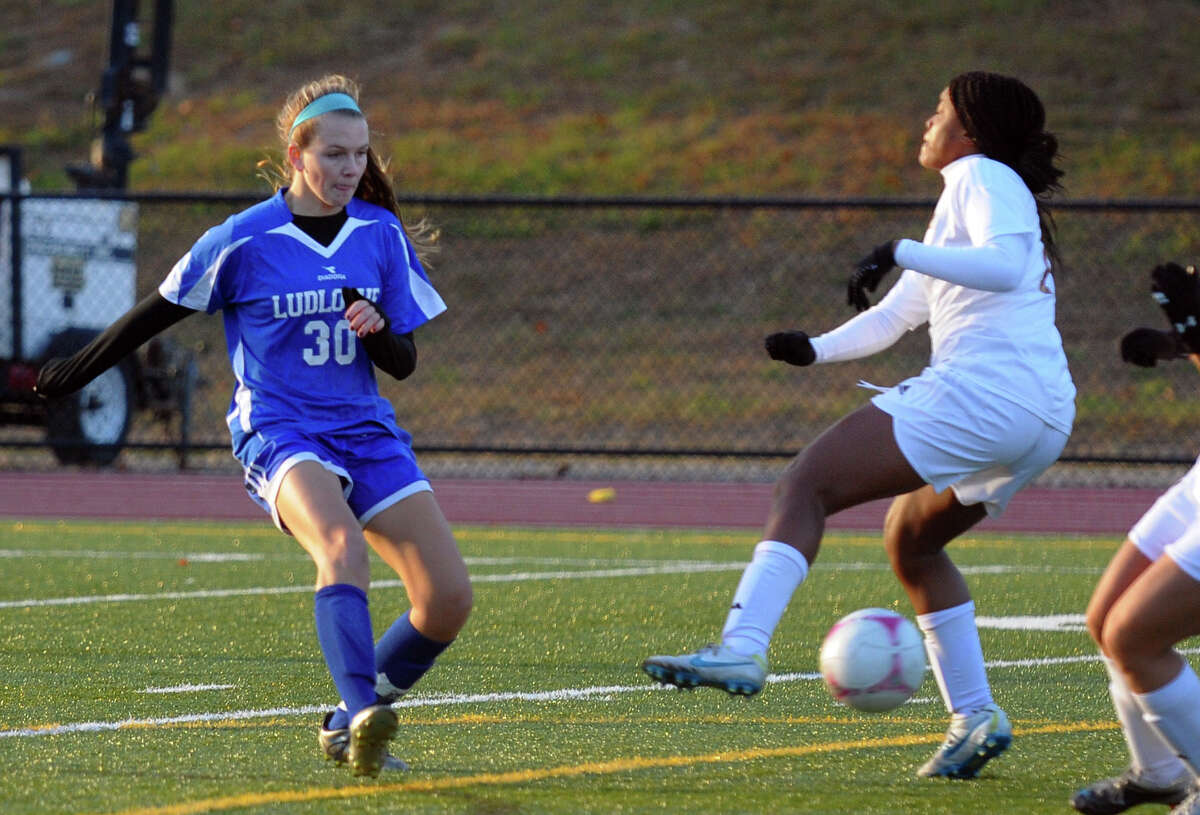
991	411
318	286
1147	601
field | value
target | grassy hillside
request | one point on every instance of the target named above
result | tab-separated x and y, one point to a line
825	97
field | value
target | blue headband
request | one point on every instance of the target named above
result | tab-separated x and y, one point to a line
324	104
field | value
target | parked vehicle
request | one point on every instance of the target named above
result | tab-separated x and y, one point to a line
68	268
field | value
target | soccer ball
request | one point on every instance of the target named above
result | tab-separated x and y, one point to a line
873	659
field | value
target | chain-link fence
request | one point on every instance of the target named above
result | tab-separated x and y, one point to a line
627	334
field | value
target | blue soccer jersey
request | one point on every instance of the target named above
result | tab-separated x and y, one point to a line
294	356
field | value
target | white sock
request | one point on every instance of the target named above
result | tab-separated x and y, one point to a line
956	657
1149	756
1173	711
767	584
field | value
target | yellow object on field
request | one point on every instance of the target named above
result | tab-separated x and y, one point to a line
601	495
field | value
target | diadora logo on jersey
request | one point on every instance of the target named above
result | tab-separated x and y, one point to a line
315	301
334	274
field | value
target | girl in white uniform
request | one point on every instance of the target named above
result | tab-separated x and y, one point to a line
992	410
1146	602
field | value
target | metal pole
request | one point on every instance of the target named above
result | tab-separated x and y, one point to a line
16	173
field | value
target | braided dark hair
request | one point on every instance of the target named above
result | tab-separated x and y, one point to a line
1007	122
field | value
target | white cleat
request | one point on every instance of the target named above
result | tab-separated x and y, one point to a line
713	666
971	742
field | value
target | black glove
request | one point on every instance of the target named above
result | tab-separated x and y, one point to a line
792	347
1145	346
1174	289
867	274
55	379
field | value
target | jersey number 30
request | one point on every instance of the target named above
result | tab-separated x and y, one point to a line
343	343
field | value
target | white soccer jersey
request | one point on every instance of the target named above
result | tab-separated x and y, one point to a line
294	355
1004	341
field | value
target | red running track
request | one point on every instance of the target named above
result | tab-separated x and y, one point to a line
175	496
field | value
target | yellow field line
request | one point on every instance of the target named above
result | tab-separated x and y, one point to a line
619	765
520	719
156	529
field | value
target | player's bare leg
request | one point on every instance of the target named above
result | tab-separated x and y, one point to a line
1154	775
918	526
414	539
311	506
917	529
1139	612
1160	608
854	461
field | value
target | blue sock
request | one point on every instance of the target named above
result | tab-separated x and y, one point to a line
402	655
344	631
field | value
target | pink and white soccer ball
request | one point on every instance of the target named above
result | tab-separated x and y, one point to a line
873	659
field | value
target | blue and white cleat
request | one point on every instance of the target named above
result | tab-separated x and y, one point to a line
971	742
713	666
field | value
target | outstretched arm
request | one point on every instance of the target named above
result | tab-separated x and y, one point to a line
995	266
61	376
902	309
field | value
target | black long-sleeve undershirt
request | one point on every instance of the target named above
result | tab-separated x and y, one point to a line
61	376
395	354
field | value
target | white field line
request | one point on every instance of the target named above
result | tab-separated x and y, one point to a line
232	557
561	695
511	577
228	557
187	688
98	554
642	569
571	561
1045	622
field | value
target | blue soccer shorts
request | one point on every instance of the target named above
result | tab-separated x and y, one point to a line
375	464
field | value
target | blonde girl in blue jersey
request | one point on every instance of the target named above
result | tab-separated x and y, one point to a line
318	286
992	410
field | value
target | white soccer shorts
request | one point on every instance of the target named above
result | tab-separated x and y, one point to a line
958	435
1170	525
